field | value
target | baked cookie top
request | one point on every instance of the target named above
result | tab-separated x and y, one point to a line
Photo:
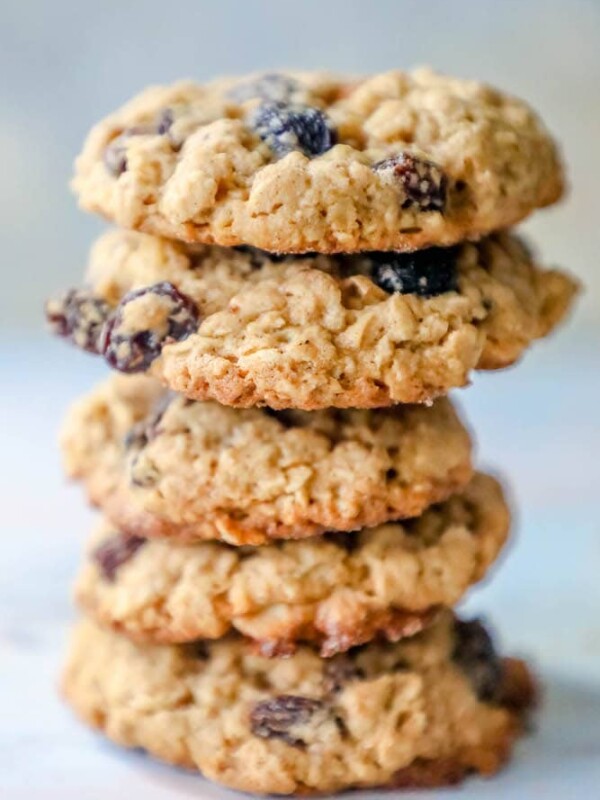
297	162
425	711
336	590
161	465
247	328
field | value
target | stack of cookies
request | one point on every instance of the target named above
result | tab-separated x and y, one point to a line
305	267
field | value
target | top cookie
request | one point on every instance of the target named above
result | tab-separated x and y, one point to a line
301	162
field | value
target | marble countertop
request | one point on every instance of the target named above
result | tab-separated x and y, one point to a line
537	424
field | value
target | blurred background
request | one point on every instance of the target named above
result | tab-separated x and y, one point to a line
65	64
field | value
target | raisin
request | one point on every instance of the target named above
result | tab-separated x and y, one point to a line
163	126
143	473
78	316
475	654
425	272
136	437
148	429
424	185
294	127
277	718
116	551
271	87
165	315
115	157
115	153
338	671
164	121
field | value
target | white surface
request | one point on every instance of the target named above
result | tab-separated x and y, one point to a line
538	423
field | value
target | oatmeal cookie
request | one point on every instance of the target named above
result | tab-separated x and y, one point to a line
246	328
297	162
161	465
335	591
422	712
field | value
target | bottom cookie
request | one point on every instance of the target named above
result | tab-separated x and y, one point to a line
422	712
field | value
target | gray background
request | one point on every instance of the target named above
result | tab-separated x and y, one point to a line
64	64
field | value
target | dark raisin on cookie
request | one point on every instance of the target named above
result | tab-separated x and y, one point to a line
339	671
143	472
78	316
115	156
148	429
163	126
278	717
270	87
285	128
136	437
425	272
114	552
115	153
164	121
475	654
143	322
424	184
